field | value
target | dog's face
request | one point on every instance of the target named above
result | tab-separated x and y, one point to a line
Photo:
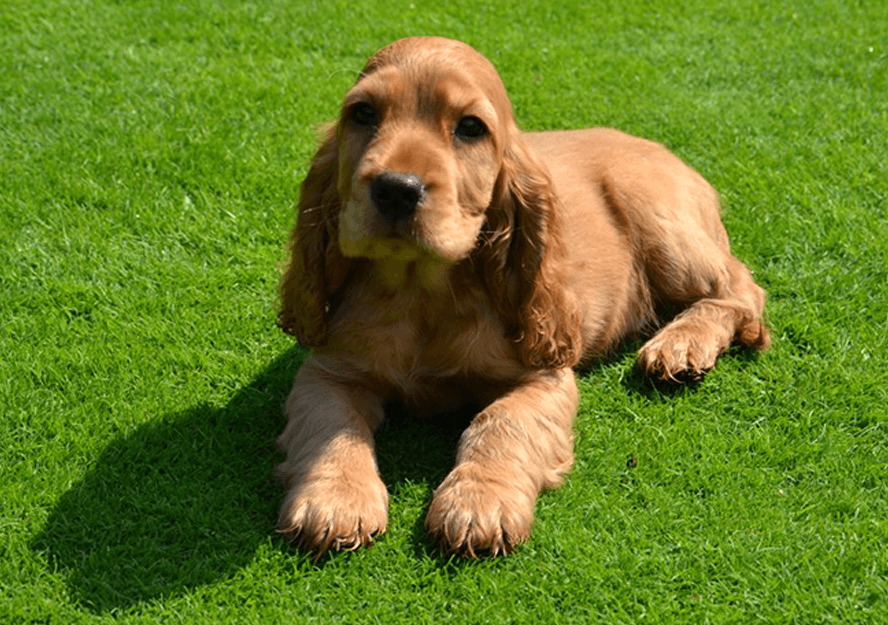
420	140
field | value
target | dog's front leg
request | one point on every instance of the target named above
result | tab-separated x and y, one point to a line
513	449
334	495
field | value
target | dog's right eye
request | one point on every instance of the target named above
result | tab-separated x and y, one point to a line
364	115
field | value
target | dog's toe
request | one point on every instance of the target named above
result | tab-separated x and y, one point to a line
676	356
321	515
471	517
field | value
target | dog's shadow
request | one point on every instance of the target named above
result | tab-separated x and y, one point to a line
180	502
186	499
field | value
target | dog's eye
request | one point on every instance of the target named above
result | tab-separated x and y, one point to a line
364	115
470	128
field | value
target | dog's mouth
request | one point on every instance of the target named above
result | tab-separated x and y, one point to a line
364	233
392	245
399	262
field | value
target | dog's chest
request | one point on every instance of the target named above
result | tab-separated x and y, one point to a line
411	341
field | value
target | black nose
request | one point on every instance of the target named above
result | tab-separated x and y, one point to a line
396	195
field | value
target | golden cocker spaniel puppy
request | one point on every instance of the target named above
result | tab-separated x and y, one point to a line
442	258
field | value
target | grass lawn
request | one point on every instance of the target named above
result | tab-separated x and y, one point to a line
150	157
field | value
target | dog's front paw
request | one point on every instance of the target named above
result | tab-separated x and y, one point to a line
472	513
338	512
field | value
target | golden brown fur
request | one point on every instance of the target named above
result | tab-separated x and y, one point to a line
442	263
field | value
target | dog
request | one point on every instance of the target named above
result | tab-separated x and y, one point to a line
442	258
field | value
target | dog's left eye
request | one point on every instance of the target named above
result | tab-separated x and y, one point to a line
470	128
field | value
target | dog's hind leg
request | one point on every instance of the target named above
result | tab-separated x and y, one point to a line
688	346
673	223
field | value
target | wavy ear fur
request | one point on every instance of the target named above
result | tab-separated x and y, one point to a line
524	262
317	268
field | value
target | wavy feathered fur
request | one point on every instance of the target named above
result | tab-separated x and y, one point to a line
442	258
524	247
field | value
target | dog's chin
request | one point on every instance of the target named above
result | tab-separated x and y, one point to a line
400	263
394	249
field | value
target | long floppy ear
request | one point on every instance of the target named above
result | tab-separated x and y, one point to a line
317	268
524	262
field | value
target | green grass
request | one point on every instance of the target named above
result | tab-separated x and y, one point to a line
150	156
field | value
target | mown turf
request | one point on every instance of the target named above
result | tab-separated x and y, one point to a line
150	156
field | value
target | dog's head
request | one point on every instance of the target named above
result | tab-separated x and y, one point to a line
425	165
421	139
